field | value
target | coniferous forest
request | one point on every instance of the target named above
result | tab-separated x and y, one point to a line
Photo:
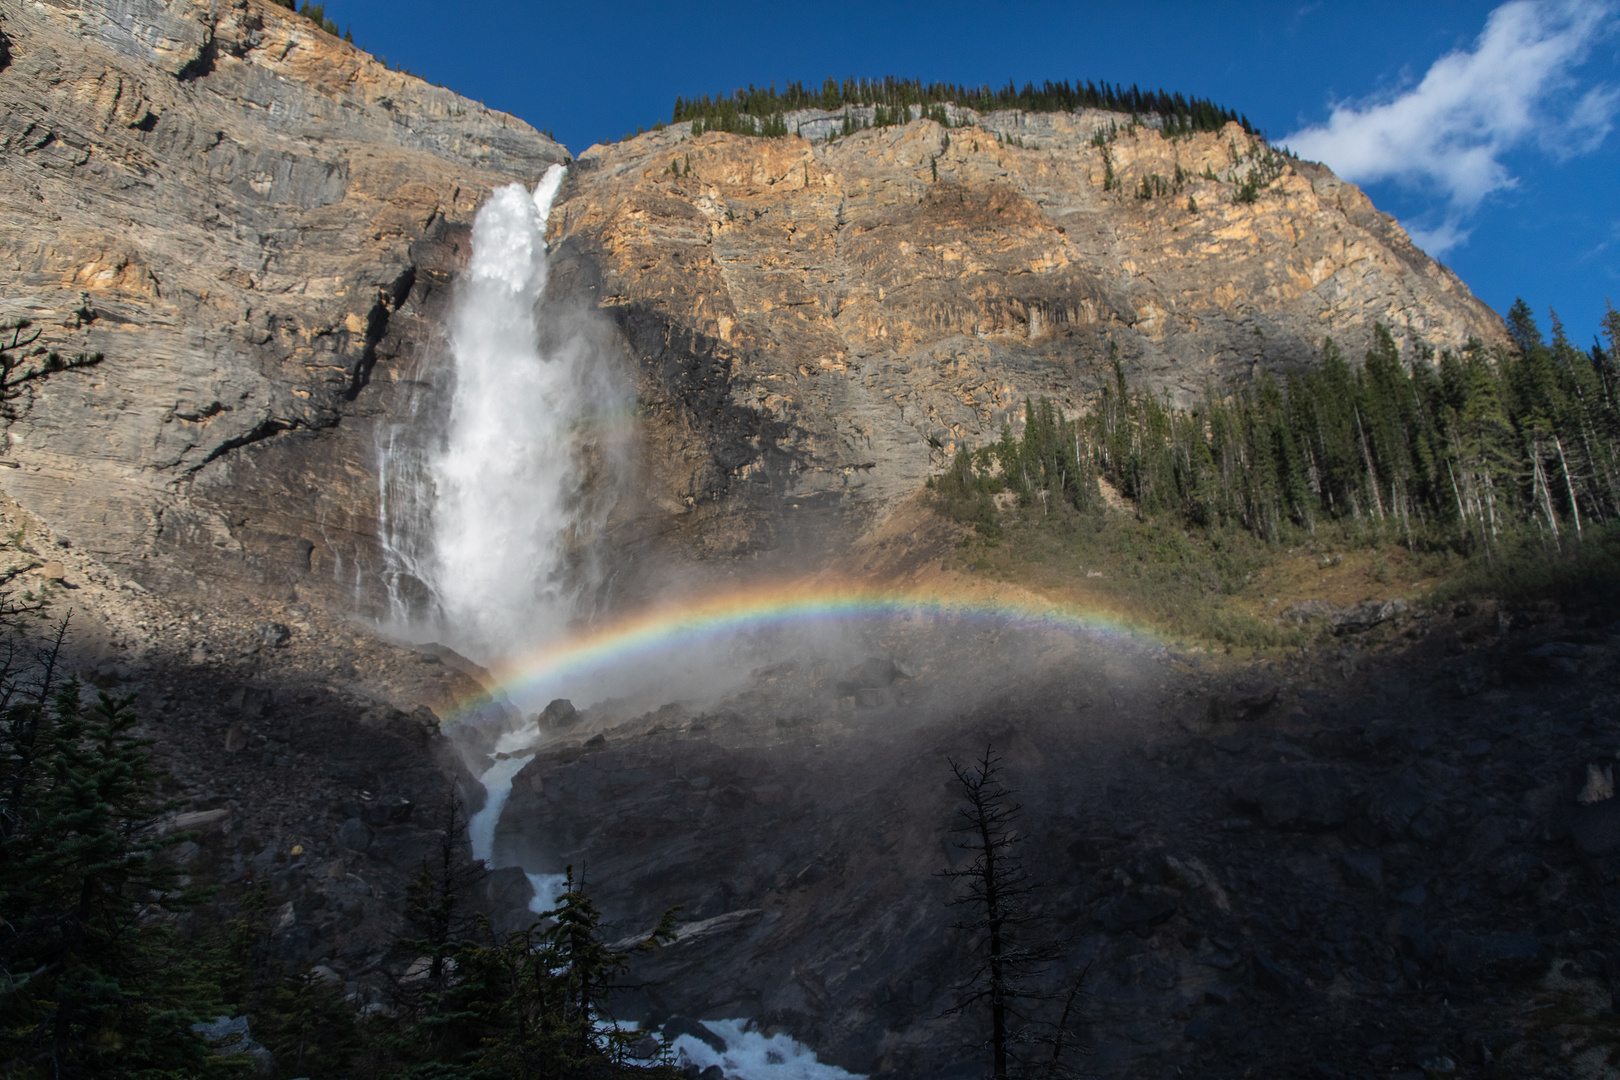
759	111
113	963
1485	453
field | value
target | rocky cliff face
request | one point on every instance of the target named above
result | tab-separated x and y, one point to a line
256	224
1341	872
819	323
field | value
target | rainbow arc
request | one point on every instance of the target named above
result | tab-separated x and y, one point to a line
698	622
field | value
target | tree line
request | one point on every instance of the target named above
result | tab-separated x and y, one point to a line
1469	451
749	110
316	13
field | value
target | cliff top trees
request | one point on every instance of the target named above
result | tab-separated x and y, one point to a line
1181	114
1467	454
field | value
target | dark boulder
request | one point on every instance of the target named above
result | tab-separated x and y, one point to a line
1497	954
1487	837
503	896
1408	932
388	810
354	835
1395	803
1359	618
1243	701
873	676
558	715
1596	828
1137	909
645	1048
1199	1029
1556	660
230	1036
676	1026
1430	826
1270	975
1297	795
273	635
1355	619
1303	611
1365	867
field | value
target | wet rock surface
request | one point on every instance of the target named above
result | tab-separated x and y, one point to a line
1345	886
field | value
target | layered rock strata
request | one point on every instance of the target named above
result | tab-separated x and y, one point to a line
256	224
820	323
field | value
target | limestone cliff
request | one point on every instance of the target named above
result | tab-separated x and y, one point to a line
820	323
256	224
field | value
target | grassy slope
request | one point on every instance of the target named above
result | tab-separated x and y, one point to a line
1232	589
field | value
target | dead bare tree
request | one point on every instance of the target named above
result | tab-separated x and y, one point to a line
998	893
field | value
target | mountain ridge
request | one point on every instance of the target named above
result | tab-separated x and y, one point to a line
279	219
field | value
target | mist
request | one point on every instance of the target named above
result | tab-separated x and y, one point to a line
502	489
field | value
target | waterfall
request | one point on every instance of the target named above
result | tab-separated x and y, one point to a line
489	502
486	521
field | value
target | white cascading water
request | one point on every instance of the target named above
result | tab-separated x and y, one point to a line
506	474
485	517
506	478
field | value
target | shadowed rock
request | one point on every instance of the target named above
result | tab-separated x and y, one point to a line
1297	795
558	715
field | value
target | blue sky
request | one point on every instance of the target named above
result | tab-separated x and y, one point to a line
1485	128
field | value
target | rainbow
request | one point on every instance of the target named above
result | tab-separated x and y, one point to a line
694	622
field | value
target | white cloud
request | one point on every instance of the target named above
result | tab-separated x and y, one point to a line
1449	132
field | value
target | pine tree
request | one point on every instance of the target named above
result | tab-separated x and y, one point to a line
91	982
534	1004
556	979
1470	451
447	1014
